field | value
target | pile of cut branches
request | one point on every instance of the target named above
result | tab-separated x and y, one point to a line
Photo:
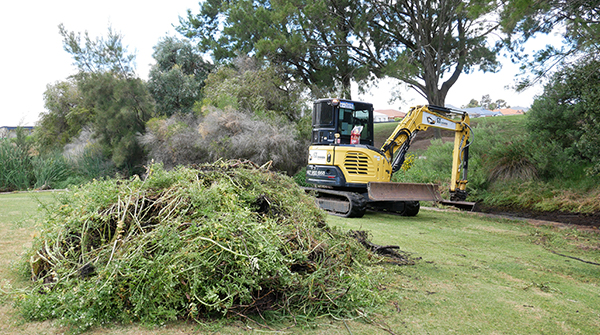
220	239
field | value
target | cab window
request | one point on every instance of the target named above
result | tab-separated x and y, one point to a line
351	118
323	115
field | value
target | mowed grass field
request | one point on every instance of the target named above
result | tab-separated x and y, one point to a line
473	275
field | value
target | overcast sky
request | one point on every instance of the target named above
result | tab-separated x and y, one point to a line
32	54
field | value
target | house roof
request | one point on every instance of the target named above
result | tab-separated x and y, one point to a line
391	113
524	109
509	111
13	128
480	111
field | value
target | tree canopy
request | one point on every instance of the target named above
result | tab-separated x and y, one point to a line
568	112
576	20
117	102
313	40
328	43
177	78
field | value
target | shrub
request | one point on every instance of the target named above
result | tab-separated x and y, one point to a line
226	134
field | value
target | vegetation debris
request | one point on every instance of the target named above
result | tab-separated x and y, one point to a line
391	252
221	239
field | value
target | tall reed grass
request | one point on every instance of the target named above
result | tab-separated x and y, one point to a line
15	167
21	168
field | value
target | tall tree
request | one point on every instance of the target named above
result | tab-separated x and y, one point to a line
119	101
121	109
177	77
329	42
313	40
430	43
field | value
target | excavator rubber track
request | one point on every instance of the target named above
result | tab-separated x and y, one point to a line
341	203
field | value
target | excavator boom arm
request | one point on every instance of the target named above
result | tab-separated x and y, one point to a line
421	118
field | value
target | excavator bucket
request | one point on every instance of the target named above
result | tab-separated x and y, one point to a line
383	191
466	205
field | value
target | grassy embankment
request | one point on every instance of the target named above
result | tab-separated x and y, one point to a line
506	168
477	275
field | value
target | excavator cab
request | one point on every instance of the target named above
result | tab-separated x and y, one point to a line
334	119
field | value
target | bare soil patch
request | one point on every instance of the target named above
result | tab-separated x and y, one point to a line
577	220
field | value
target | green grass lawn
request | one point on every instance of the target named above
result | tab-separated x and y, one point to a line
489	276
476	275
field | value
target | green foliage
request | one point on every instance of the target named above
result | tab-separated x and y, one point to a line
176	80
277	32
20	170
471	104
433	167
50	169
222	239
511	161
567	113
328	44
508	168
487	103
249	87
121	108
92	163
100	54
300	178
118	102
23	168
525	19
64	117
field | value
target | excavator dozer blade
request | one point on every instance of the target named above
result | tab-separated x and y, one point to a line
384	191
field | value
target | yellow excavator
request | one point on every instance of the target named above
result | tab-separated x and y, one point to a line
350	175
